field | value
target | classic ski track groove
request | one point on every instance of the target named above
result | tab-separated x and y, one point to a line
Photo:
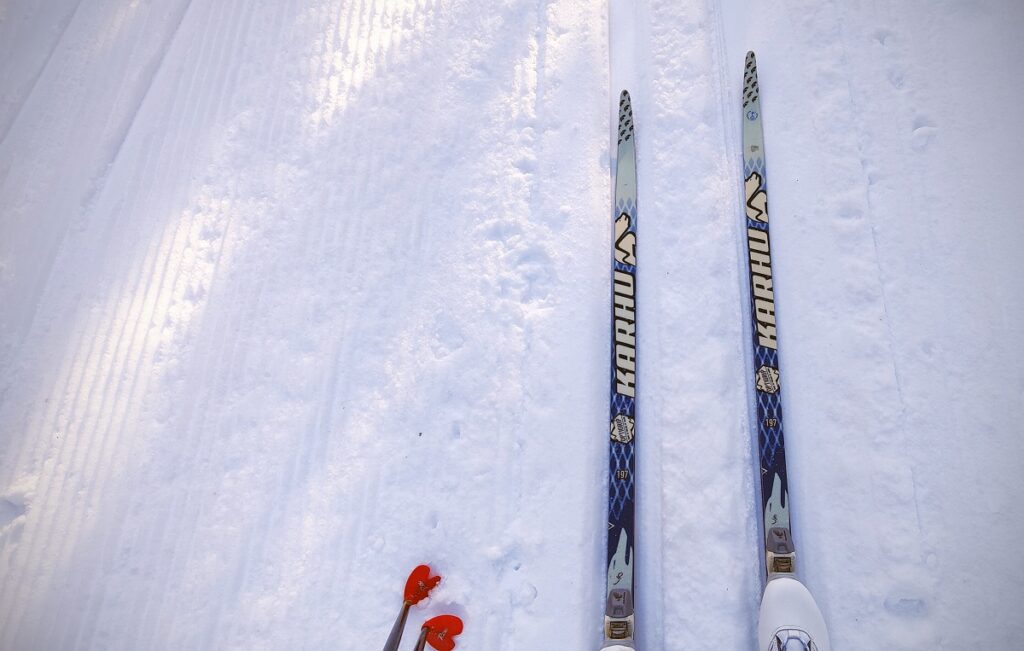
90	181
729	97
16	113
183	271
224	332
90	381
178	522
169	277
25	448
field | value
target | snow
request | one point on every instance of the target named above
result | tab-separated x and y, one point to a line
296	296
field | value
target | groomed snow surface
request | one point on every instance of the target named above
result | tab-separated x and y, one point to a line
297	295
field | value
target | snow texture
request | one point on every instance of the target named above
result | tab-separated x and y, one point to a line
297	295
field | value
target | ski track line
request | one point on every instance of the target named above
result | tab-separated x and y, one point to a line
104	162
669	42
206	437
72	368
93	384
84	379
649	599
857	109
89	356
897	59
242	575
72	433
322	78
511	234
345	231
120	352
889	439
182	271
154	533
329	391
119	395
865	222
729	97
863	148
158	532
205	434
919	585
332	386
57	42
510	505
114	432
297	469
185	517
157	66
16	581
178	131
109	162
341	231
289	482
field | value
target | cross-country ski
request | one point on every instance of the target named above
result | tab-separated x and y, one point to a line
295	296
619	615
789	619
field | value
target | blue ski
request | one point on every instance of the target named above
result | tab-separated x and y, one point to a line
619	619
789	619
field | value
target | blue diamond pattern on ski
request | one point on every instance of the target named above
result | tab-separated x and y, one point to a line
768	405
622	456
755	165
771	437
627	206
622	404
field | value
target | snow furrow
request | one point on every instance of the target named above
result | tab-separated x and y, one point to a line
297	295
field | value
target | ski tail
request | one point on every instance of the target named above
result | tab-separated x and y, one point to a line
619	620
789	618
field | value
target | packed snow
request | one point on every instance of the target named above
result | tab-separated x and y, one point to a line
295	296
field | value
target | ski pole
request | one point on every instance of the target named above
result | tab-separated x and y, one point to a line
440	633
417	587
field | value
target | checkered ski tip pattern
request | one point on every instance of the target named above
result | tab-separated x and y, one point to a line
625	118
750	90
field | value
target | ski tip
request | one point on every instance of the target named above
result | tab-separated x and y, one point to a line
625	117
419	584
441	631
750	89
